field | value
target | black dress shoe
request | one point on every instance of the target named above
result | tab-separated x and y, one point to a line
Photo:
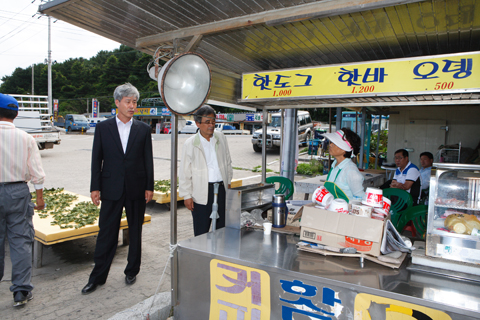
130	279
89	288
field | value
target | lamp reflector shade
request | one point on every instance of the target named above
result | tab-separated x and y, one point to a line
184	83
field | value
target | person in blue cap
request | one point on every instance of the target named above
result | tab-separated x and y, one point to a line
20	162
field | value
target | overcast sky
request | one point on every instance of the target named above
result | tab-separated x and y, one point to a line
24	39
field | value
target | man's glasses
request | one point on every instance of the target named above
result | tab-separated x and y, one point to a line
398	158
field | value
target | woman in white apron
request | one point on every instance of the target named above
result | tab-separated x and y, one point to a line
344	180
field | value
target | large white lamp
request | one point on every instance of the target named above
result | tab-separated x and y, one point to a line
184	83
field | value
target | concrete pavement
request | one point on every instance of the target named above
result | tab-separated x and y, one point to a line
66	266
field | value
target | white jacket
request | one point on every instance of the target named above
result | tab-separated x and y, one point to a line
193	172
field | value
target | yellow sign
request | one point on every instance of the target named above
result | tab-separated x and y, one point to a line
238	292
370	307
456	73
146	112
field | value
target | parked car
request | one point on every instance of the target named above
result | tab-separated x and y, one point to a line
190	127
305	131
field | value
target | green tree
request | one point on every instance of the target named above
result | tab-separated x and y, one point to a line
77	80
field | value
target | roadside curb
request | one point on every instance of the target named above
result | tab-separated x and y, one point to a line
159	311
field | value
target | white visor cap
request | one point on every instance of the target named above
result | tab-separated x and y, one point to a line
338	139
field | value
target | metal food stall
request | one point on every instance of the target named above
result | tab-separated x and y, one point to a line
235	273
242	273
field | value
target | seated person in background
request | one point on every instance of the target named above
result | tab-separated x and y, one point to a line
426	161
407	175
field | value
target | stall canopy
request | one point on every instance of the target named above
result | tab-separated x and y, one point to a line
253	35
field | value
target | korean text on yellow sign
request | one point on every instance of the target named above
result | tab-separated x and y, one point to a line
434	74
238	292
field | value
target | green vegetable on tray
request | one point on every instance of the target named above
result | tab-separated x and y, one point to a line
163	186
82	214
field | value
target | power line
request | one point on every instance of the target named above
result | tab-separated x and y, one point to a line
58	28
18	13
23	42
17	32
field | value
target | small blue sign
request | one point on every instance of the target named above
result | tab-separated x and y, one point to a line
114	111
166	112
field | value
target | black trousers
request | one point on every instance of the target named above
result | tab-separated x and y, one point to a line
107	240
201	213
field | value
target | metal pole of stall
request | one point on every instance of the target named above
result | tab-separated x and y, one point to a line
173	208
281	139
264	146
289	151
362	136
378	139
330	131
338	123
356	122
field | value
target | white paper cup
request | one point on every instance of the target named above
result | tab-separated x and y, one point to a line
339	205
322	196
373	197
267	227
386	205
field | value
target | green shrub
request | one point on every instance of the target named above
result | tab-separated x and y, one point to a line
314	167
304	168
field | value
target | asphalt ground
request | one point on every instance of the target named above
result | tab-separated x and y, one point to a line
66	266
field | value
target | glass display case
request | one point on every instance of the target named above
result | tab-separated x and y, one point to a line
454	213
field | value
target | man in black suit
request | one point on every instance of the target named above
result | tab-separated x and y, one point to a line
122	177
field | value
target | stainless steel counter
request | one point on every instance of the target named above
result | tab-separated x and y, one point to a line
276	254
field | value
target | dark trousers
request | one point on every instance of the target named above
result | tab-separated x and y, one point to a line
107	240
201	213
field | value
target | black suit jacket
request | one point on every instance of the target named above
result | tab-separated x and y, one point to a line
113	170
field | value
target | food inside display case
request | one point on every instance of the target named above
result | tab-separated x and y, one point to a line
454	213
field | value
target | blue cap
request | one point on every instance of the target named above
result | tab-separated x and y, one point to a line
6	100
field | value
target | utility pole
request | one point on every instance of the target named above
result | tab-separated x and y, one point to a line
50	109
33	79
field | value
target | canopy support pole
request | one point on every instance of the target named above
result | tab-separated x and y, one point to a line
264	145
378	139
289	152
173	210
362	136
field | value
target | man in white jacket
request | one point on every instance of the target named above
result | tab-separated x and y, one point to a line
205	161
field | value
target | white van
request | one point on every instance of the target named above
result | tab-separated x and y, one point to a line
305	131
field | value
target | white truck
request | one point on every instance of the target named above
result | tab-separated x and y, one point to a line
34	118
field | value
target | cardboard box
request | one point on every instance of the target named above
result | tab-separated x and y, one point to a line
341	230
